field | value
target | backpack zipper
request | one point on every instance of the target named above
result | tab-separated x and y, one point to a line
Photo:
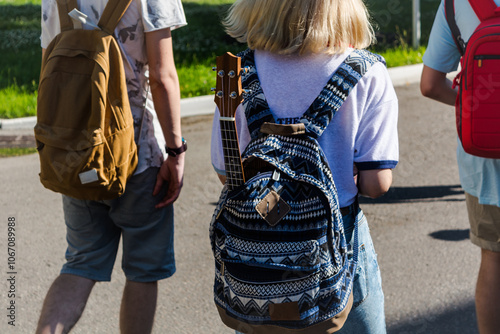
480	58
471	46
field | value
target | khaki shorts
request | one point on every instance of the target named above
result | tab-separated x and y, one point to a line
484	224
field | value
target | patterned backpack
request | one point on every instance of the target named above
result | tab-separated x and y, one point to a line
281	258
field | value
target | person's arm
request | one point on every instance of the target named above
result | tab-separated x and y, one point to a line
371	183
374	183
435	85
222	178
166	97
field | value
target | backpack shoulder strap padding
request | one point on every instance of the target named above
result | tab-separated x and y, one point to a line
484	9
112	14
64	7
449	11
336	91
324	107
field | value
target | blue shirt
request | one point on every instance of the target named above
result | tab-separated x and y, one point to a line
479	177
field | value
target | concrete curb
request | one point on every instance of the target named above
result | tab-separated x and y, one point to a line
204	105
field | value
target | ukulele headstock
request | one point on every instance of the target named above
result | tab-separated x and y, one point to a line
228	92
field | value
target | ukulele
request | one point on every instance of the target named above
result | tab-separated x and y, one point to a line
228	97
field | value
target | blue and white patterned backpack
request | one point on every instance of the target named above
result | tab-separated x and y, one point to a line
282	263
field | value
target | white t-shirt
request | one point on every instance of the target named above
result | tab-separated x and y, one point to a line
364	130
141	16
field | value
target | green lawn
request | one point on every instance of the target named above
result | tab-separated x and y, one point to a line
14	152
195	46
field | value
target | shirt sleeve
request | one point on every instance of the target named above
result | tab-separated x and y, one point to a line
217	153
441	54
161	14
376	142
49	23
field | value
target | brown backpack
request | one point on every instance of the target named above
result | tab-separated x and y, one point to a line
85	128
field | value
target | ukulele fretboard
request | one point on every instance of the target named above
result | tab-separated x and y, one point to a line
232	157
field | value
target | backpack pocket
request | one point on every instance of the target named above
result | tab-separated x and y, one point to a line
73	162
270	281
282	256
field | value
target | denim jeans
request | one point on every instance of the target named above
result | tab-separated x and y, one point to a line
367	315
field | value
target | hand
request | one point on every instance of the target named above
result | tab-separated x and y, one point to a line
171	172
355	173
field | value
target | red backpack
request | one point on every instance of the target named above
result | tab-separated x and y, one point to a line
478	101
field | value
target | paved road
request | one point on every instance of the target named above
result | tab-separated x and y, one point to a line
419	228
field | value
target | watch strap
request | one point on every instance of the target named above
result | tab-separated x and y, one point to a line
176	151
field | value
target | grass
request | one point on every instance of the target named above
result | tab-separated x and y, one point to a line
18	101
21	54
14	152
195	46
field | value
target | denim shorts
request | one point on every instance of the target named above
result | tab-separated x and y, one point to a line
484	224
367	315
94	230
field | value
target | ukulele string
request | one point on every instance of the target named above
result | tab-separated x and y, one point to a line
232	139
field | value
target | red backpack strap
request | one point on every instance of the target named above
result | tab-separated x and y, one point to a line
484	9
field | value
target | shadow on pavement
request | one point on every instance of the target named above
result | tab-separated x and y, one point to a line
451	235
417	194
457	319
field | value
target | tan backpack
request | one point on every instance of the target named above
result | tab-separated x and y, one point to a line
85	130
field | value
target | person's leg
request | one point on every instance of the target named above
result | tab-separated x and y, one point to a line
138	307
64	304
485	233
92	244
488	293
148	250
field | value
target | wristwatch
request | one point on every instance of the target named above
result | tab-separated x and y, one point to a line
176	151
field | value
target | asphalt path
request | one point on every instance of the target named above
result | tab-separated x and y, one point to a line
420	231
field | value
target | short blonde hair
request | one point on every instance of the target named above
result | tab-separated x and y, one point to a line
300	26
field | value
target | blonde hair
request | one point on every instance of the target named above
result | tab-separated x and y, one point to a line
300	26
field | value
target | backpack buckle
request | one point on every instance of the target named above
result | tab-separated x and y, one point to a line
457	80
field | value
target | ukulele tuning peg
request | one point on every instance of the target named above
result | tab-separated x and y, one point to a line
213	89
219	94
245	70
233	95
220	73
231	74
214	68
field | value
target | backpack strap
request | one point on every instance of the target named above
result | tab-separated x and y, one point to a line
484	9
64	7
257	110
333	95
324	107
112	14
449	10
